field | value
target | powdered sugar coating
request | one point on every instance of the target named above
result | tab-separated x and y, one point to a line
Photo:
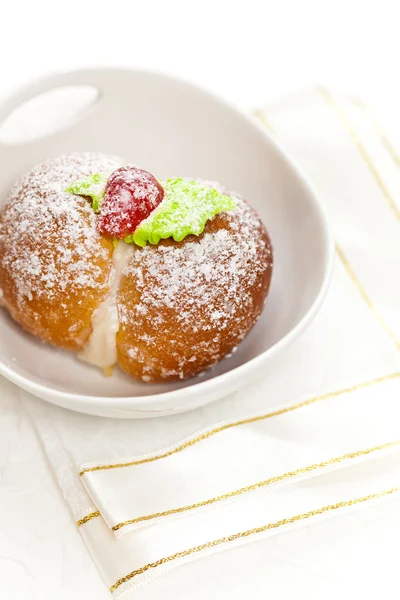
51	256
183	306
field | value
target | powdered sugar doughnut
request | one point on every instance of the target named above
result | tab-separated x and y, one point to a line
162	312
183	306
54	266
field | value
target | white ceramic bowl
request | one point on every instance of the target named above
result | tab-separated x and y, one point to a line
172	128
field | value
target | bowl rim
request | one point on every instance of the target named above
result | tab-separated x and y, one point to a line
210	385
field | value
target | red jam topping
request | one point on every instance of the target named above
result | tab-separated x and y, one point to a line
131	194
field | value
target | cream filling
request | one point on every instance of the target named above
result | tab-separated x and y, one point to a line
101	348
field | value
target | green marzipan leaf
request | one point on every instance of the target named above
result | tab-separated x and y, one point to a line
93	186
185	210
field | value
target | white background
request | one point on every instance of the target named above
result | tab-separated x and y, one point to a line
248	51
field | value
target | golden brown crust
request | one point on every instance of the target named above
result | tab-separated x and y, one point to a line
64	317
54	267
184	306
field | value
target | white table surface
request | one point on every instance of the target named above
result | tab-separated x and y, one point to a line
248	52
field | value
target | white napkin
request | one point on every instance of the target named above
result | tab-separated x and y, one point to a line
318	436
